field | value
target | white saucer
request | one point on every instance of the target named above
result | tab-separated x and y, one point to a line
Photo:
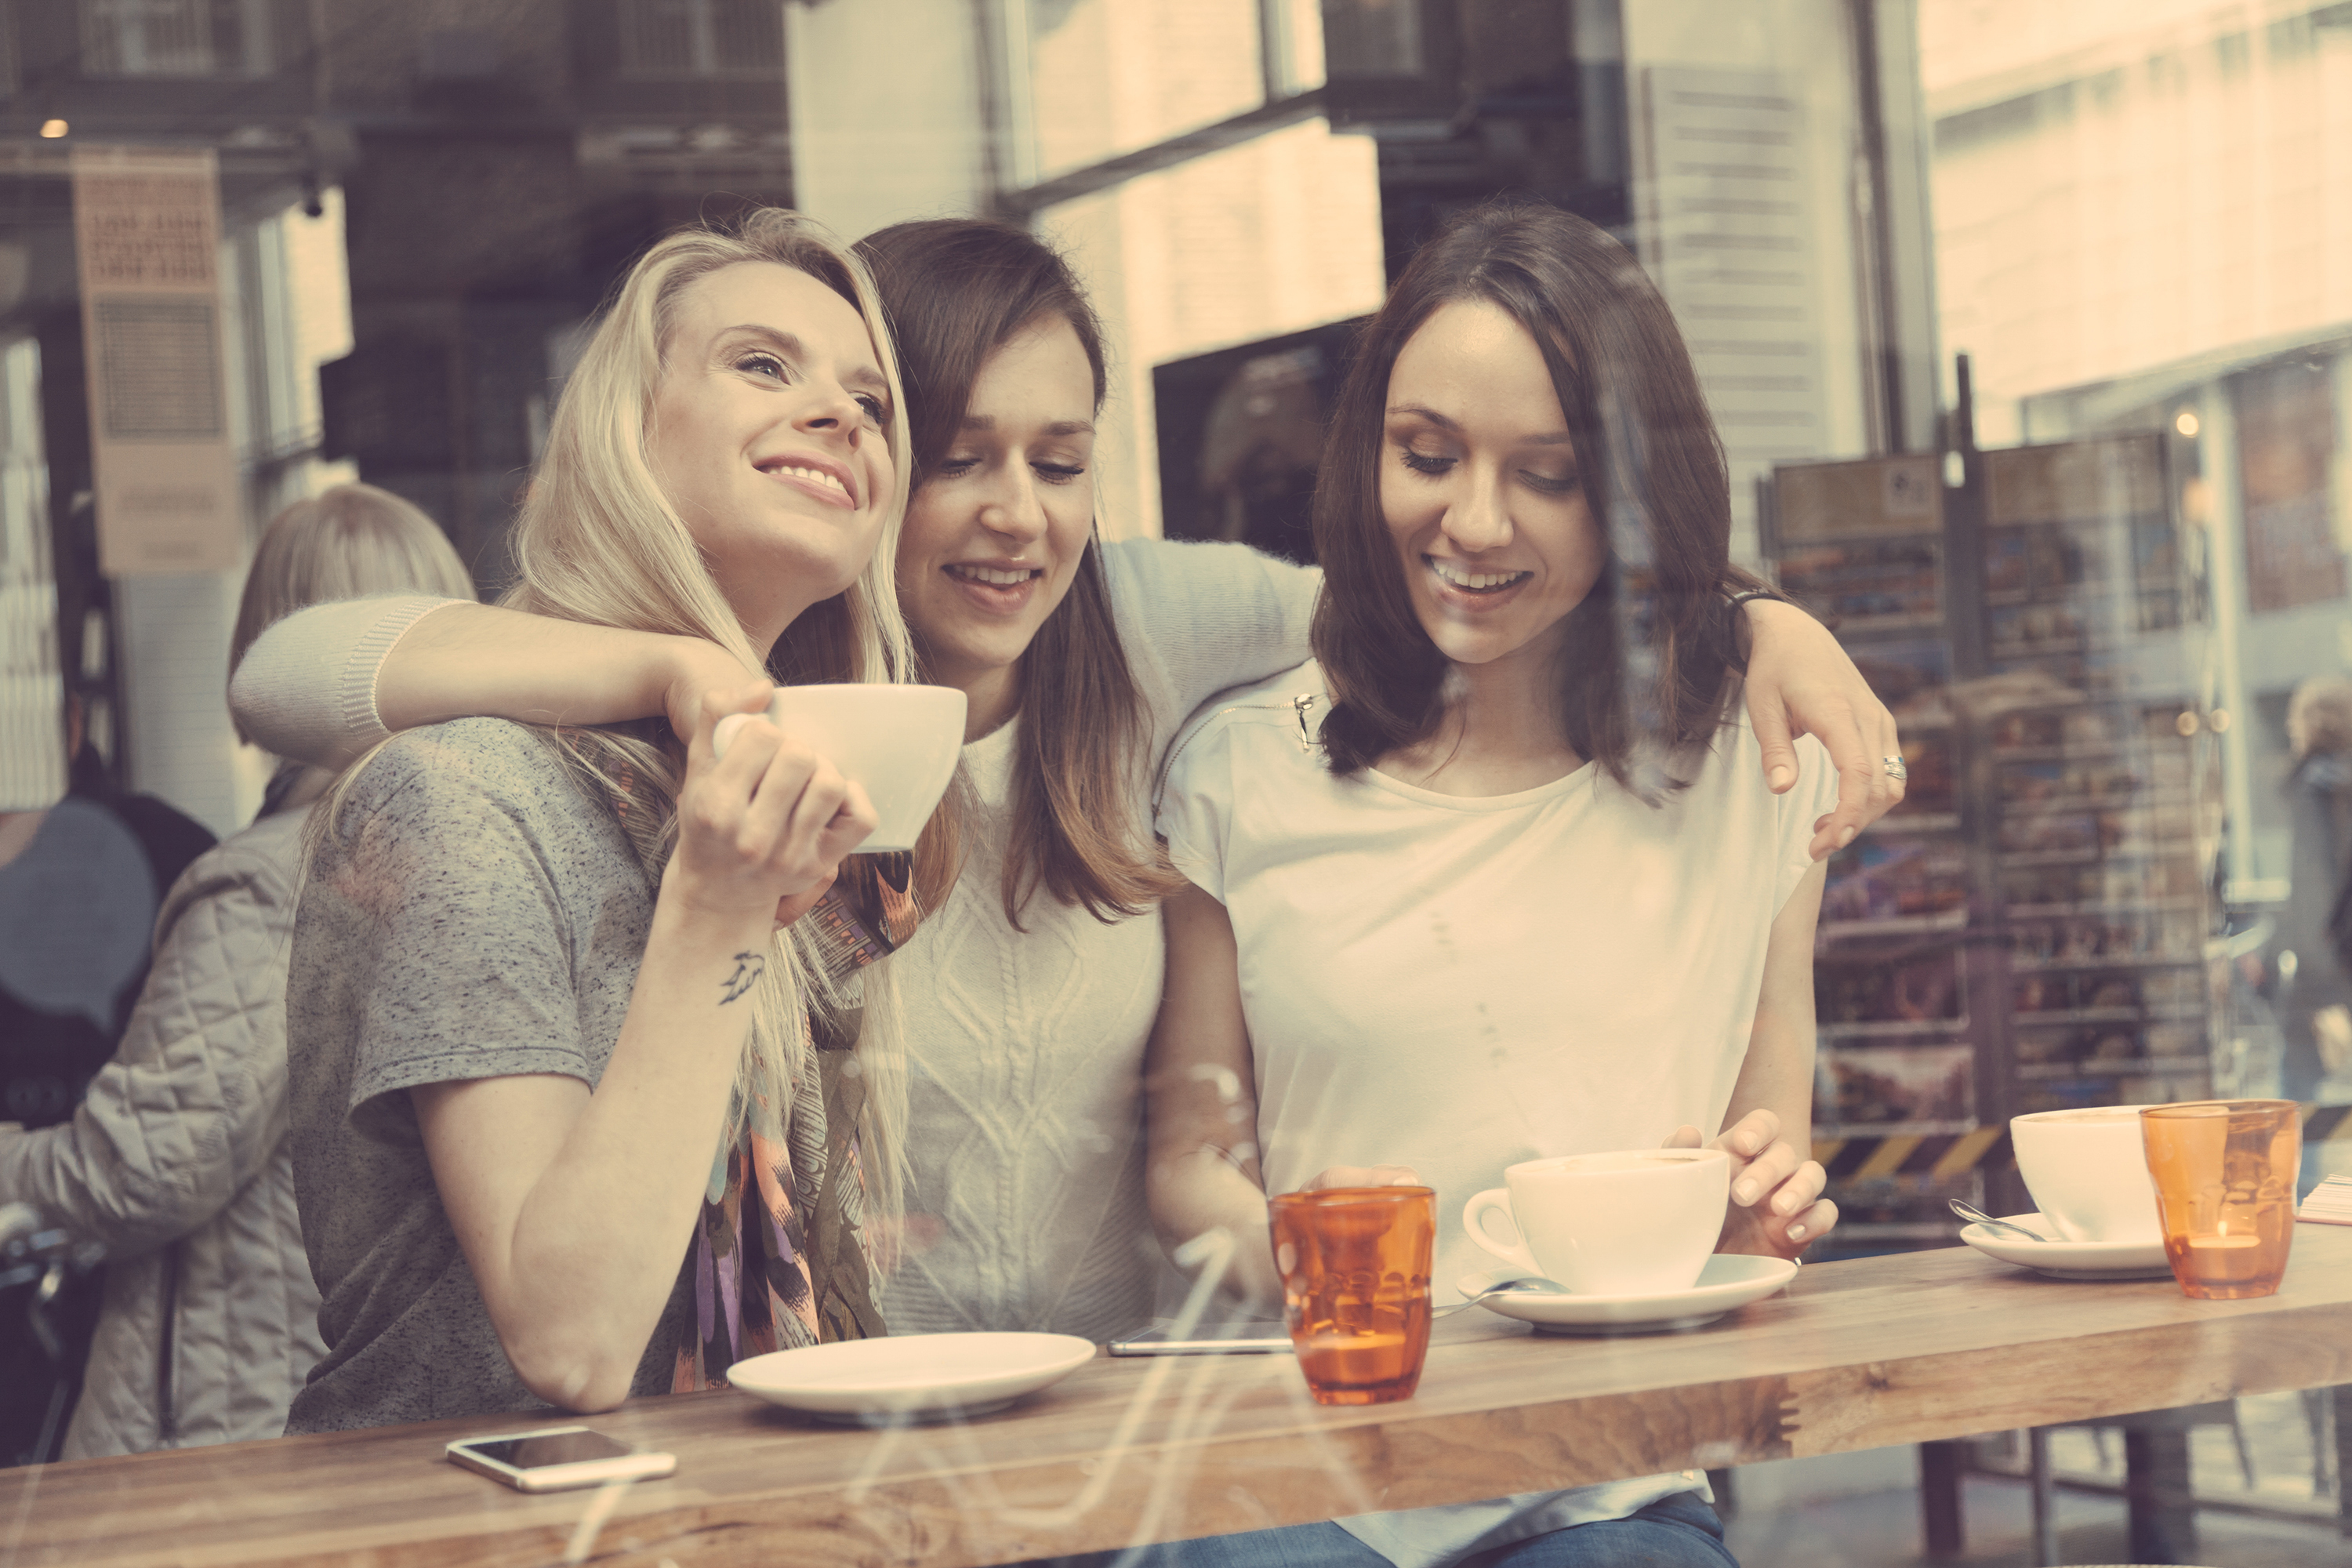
910	1377
1729	1280
2071	1260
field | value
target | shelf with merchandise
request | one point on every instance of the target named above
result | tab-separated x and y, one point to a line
2040	1072
2133	1015
1892	925
2022	965
2103	906
1908	1030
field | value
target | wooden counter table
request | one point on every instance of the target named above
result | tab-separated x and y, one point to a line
1854	1355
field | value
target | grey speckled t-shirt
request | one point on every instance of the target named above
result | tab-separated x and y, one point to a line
472	914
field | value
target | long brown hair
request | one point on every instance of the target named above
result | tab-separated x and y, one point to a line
956	290
1645	661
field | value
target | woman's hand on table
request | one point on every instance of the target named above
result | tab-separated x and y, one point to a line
1777	1209
1801	682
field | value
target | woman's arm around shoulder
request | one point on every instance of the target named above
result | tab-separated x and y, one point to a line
326	683
1197	617
1801	682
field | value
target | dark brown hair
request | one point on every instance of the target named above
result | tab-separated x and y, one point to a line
956	290
1647	656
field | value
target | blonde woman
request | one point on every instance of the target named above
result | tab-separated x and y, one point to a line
555	1028
175	1161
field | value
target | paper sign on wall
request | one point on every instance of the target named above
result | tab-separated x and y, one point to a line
147	223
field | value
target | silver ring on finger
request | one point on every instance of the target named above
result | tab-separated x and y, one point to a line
1894	768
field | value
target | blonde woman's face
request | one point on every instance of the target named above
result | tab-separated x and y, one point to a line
768	436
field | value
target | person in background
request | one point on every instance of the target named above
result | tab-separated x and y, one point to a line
2318	1014
81	875
175	1161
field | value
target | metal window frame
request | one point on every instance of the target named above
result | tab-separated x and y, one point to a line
1009	104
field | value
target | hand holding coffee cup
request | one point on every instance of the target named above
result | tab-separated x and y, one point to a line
1635	1222
763	830
2087	1169
1777	1209
901	742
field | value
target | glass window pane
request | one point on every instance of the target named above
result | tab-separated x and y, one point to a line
1109	76
1745	145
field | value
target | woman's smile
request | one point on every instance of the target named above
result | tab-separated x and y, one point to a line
1473	588
827	481
996	588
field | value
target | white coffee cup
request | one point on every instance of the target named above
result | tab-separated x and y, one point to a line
1640	1222
900	742
2087	1169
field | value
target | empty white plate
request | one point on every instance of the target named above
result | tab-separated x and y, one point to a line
911	1378
2069	1259
1729	1280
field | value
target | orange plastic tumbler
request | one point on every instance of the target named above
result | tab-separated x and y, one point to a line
1355	1288
2225	1172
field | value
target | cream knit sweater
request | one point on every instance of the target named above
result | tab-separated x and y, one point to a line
1025	1125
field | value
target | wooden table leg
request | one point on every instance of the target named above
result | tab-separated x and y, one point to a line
2341	1397
2156	1489
2046	1499
1940	1466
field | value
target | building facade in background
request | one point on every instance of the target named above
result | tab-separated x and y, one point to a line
2143	222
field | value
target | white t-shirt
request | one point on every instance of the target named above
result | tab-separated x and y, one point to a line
1458	984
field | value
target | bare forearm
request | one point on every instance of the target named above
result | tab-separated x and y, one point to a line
594	1248
1197	1193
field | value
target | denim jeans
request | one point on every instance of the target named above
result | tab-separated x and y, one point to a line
1678	1532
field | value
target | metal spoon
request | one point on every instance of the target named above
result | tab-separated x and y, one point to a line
1976	1215
1532	1282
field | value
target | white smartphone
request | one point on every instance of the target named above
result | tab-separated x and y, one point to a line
1238	1338
556	1457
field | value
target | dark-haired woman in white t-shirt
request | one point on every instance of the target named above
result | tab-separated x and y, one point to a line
1494	879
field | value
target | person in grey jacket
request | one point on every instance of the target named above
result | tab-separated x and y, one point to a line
175	1161
2318	1014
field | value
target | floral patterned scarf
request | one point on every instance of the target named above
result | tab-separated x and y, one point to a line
778	1259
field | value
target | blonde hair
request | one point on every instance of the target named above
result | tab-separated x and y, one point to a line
352	542
2319	716
598	541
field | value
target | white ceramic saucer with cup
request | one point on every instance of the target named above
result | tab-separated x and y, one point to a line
1637	1222
911	1378
2140	1259
1728	1282
900	742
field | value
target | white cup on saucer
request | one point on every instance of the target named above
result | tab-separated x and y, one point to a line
1637	1222
2087	1169
900	742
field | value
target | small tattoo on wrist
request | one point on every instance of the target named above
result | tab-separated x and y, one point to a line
749	967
